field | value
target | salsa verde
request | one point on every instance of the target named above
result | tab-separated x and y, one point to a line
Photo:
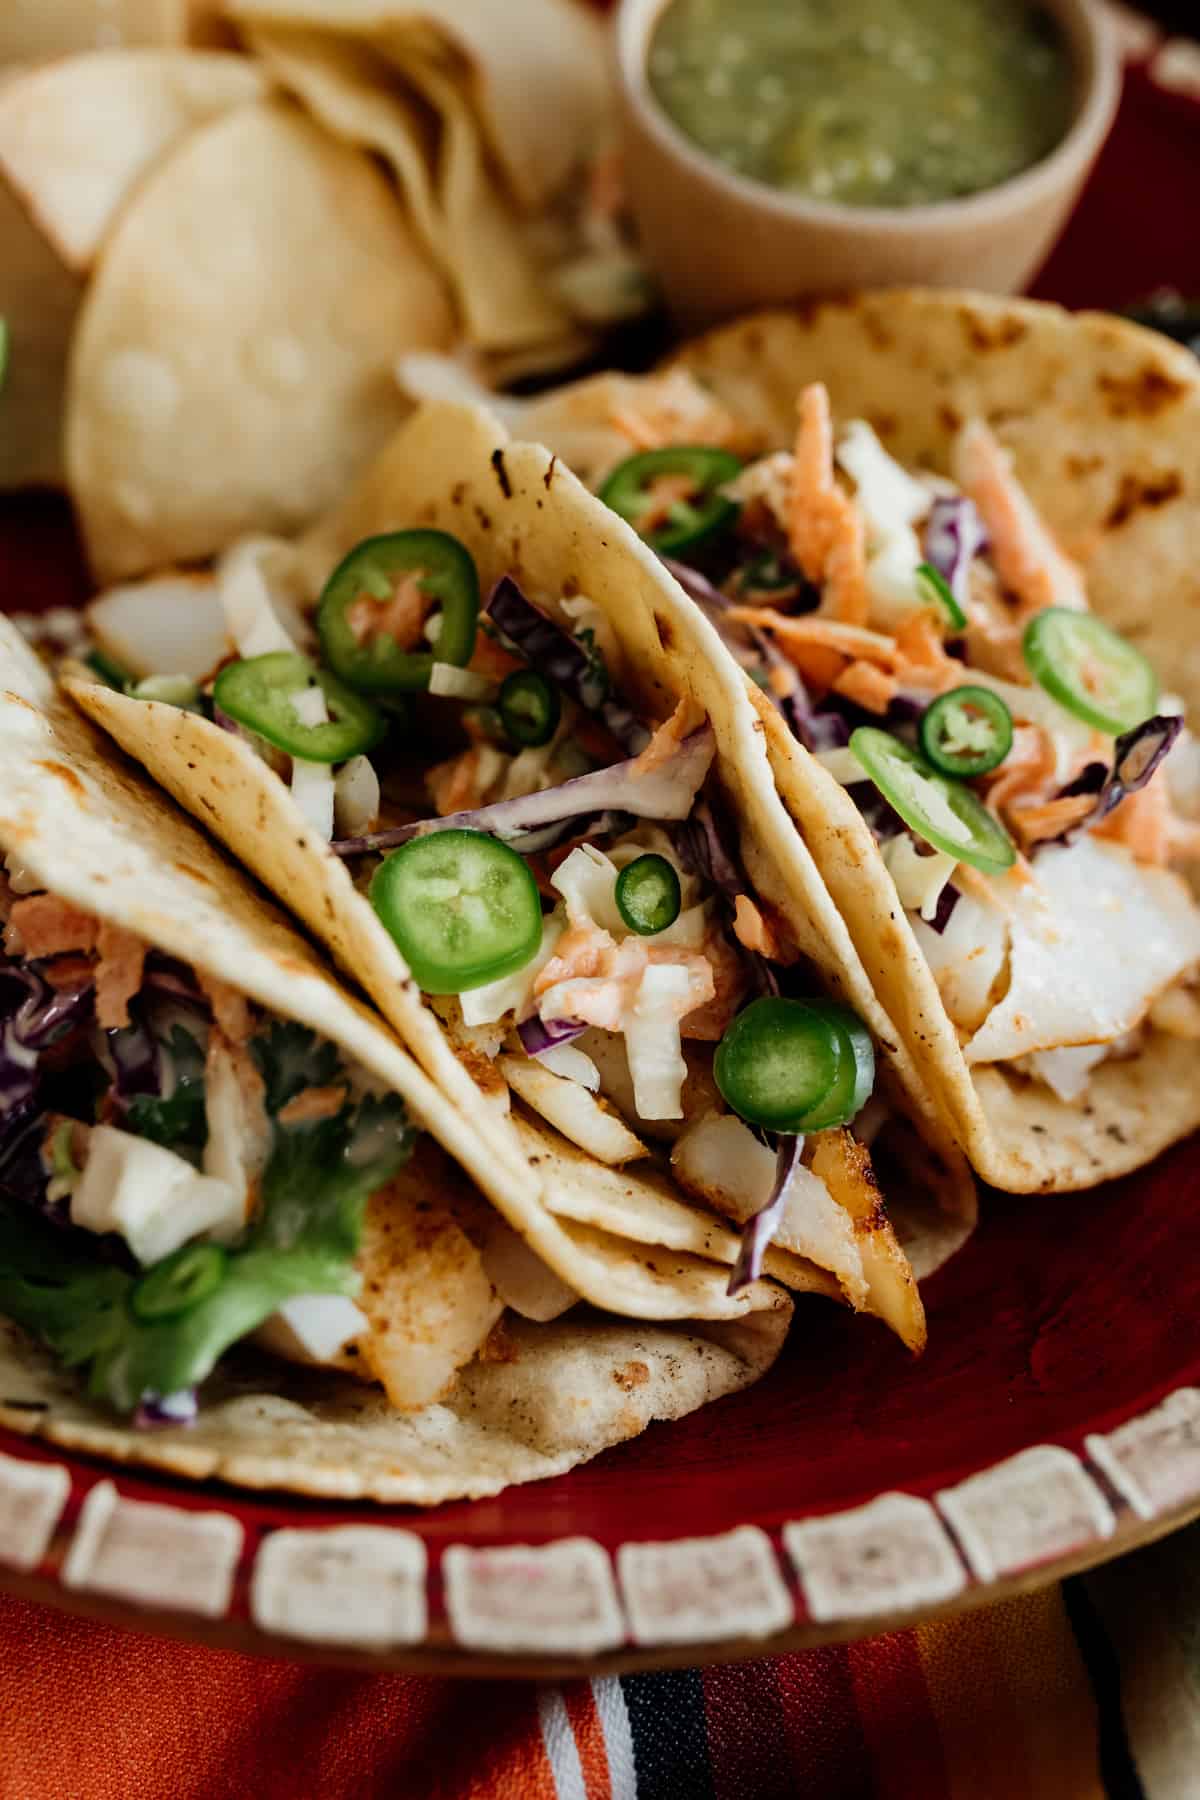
866	102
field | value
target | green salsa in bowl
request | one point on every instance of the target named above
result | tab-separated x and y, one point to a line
866	102
782	149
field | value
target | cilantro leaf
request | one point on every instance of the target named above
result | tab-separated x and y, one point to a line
290	1059
178	1122
596	684
314	1192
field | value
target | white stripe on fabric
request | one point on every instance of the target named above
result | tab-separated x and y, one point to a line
618	1736
559	1740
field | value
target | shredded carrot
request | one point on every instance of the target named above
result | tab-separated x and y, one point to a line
810	515
642	434
1028	765
231	1010
311	1104
402	616
120	958
581	953
489	658
708	1021
805	629
867	686
919	647
686	718
1030	564
664	493
845	595
454	784
752	930
824	526
1143	823
1034	825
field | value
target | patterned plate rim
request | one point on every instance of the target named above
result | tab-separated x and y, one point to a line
375	1595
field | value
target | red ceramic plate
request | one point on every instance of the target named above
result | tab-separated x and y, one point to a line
1053	1422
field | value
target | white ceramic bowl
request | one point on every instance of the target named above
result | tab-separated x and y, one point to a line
722	244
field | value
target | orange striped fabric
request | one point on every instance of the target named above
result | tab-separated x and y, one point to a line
994	1705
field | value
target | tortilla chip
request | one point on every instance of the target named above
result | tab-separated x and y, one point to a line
423	127
75	137
231	364
40	299
552	49
1103	419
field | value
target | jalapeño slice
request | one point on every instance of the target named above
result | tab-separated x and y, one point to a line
856	1071
671	497
179	1282
529	708
968	731
463	908
647	895
260	694
1090	669
943	812
936	584
373	612
788	1065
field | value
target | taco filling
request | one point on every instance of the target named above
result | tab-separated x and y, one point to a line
559	874
1026	781
178	1167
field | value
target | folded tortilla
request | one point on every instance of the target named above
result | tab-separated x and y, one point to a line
1103	421
458	1307
523	515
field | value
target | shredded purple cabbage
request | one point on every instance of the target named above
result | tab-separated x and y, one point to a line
706	851
665	793
1137	755
948	899
763	977
881	816
33	1016
758	1231
954	536
810	725
175	980
539	1035
137	1064
904	710
158	1410
565	660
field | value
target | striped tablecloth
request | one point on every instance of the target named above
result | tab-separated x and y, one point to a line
1088	1689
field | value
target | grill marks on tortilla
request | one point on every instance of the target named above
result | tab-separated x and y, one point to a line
1142	395
985	335
1136	493
67	776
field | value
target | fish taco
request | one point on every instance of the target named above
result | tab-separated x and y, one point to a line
241	1232
545	842
948	540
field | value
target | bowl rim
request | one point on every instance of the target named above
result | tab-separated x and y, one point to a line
1094	46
